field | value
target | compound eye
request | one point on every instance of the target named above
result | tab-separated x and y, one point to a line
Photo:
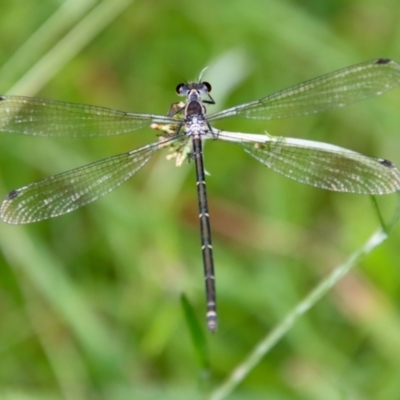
179	88
207	86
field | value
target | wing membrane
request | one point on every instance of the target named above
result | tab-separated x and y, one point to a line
65	192
42	117
320	164
333	90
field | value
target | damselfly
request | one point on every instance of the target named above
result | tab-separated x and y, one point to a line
184	130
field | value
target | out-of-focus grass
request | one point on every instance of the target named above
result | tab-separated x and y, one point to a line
90	302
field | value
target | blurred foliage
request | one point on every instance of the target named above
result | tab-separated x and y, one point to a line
90	302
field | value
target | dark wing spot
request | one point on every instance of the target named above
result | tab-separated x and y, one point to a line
2	98
383	60
386	163
13	194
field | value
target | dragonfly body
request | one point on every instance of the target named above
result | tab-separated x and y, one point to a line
196	127
317	164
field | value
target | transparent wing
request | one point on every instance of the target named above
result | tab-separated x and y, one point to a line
336	89
65	192
320	164
42	117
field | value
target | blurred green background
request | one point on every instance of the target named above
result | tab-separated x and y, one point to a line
90	302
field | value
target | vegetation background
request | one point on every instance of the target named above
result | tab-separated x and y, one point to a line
90	302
